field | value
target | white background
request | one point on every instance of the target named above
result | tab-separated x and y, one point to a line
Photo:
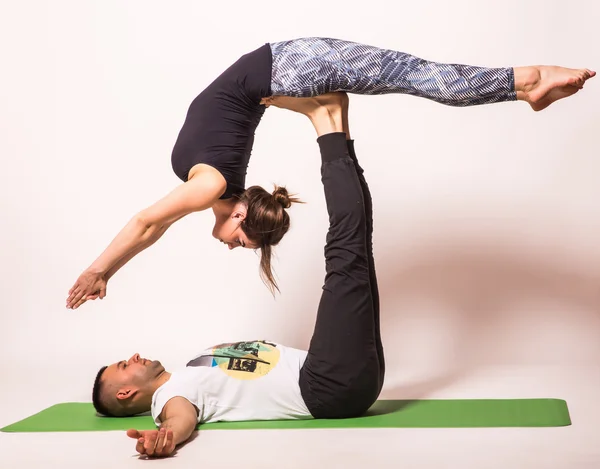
486	222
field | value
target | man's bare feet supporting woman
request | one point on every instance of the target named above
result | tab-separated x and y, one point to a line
327	112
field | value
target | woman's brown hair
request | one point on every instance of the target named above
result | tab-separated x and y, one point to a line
265	224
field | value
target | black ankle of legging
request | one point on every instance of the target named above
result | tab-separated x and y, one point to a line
333	146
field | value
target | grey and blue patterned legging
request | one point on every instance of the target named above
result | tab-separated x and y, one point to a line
313	66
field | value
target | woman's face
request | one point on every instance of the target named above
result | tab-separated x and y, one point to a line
230	232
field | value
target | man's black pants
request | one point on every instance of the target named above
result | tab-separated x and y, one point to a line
344	370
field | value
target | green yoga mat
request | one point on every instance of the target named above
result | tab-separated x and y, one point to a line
81	417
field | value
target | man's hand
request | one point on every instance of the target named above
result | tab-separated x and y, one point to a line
178	418
153	443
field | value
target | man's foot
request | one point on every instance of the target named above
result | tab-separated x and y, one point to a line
325	111
540	86
328	113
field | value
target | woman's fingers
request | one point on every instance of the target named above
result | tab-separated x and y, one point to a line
79	302
72	302
94	296
73	294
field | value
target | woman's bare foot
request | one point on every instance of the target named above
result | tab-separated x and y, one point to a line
541	85
326	112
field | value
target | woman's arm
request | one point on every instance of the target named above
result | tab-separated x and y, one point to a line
124	260
145	228
101	291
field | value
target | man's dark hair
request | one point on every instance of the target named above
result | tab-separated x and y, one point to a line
96	395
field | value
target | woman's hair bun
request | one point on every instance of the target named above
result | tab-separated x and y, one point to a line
281	196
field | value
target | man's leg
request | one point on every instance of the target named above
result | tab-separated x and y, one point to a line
329	115
368	201
369	239
340	377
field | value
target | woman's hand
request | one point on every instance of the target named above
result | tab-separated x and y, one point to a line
89	286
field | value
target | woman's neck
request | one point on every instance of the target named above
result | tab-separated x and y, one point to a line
223	207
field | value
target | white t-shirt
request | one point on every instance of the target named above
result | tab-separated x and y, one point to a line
254	380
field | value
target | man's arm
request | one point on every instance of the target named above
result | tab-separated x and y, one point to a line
179	418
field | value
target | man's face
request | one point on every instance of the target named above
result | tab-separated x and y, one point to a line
137	372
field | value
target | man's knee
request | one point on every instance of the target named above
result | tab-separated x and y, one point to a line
326	400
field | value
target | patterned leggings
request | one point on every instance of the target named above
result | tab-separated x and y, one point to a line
313	66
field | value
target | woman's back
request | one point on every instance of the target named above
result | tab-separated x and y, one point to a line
220	123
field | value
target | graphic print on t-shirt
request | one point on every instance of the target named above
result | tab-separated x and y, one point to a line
241	360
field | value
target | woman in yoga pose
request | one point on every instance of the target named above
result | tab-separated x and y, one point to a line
213	149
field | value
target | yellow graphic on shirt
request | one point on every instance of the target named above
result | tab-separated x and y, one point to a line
241	360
